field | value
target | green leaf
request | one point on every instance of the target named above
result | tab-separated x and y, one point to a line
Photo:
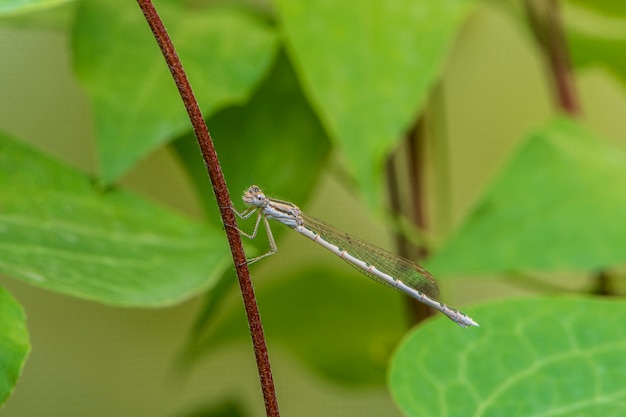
136	105
597	41
274	140
367	67
14	344
340	324
530	357
59	232
15	7
606	7
558	205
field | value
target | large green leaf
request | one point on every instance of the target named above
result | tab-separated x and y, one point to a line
339	323
558	205
14	345
530	357
58	231
367	67
136	105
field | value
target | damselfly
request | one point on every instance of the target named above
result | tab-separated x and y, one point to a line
376	263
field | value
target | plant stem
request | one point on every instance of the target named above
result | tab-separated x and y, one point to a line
548	29
416	168
417	311
223	199
545	21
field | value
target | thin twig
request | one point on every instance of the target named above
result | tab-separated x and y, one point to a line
223	200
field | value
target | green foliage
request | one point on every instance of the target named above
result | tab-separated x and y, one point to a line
594	32
378	51
561	188
310	307
276	93
260	135
531	357
605	7
225	54
14	345
593	45
62	233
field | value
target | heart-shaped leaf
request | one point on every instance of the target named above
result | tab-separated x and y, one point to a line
558	205
530	357
136	105
368	66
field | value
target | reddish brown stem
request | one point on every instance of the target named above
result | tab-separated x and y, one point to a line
415	155
416	168
545	21
417	311
223	200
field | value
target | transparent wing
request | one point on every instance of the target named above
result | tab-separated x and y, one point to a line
410	273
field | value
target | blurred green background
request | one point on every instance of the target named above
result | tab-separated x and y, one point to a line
91	359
